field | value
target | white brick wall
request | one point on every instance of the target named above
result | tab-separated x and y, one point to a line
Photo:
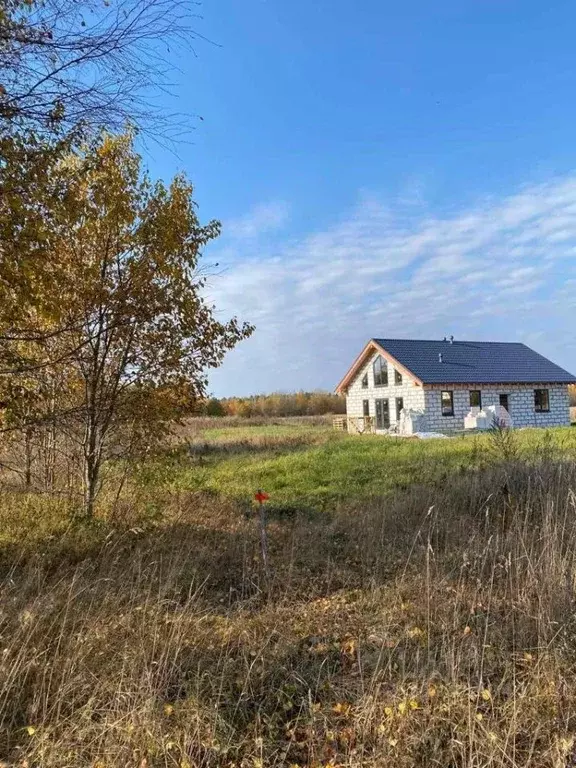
520	401
427	399
412	393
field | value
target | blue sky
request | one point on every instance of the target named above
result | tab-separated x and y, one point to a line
381	169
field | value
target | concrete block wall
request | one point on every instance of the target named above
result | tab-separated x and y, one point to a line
412	393
520	400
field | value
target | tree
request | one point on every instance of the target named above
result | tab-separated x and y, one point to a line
137	333
67	68
65	62
214	407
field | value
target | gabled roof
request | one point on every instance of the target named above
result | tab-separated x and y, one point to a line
464	362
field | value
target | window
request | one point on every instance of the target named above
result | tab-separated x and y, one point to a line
399	406
380	372
382	414
366	407
397	377
541	400
475	398
365	381
447	401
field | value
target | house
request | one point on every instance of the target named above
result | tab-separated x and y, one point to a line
443	381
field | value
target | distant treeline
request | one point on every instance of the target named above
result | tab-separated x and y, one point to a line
277	404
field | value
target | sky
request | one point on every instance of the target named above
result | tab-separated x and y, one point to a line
380	169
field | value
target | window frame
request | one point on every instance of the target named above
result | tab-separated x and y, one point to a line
384	411
398	399
479	391
398	381
364	381
365	409
450	393
383	371
538	407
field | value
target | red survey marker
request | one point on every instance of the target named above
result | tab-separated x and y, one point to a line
261	497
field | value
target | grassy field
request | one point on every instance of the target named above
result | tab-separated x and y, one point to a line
419	609
317	467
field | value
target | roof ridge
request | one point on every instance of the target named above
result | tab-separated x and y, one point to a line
446	341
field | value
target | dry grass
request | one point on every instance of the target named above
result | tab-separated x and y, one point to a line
433	627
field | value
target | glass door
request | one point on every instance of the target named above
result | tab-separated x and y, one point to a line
382	414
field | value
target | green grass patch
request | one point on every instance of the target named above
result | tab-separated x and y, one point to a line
316	466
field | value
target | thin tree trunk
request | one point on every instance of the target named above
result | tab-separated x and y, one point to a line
91	469
50	442
28	454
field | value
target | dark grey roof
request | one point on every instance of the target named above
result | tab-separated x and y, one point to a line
474	362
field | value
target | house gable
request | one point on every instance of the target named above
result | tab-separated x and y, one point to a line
368	355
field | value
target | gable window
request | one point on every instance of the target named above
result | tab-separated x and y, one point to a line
447	402
475	398
380	368
397	377
365	381
366	407
541	400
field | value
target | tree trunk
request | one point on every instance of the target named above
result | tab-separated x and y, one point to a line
50	442
28	454
92	462
91	477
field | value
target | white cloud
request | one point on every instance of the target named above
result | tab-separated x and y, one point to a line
497	271
262	219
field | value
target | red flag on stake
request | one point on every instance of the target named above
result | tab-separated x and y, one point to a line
261	496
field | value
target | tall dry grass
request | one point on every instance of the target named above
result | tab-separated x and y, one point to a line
434	627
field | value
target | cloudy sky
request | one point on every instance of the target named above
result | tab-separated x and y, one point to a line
382	169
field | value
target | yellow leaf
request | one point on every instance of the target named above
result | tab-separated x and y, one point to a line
388	711
402	707
431	692
342	708
415	632
486	695
168	709
30	730
414	704
479	716
392	742
467	630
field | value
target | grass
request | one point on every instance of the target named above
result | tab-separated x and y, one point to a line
424	618
317	467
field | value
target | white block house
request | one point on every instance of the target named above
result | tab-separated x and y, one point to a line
444	380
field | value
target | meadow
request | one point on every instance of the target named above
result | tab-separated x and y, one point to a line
418	610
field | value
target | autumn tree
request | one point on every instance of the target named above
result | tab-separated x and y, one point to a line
138	333
67	68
